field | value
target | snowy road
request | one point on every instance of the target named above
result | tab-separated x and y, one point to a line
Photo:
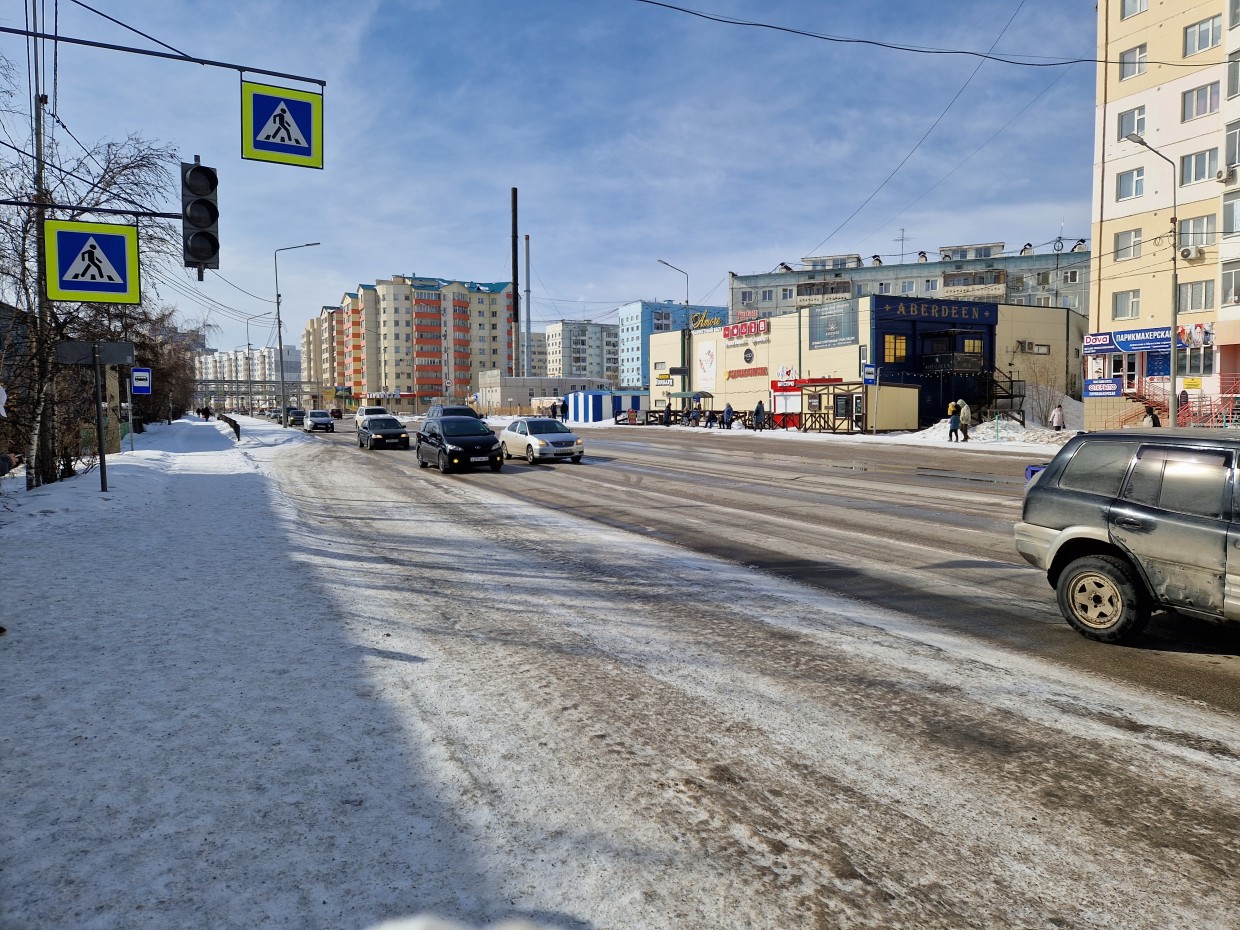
369	691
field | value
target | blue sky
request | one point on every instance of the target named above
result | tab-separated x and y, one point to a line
633	133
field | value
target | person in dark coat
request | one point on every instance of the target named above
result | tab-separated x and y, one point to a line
555	409
564	410
759	416
667	415
728	415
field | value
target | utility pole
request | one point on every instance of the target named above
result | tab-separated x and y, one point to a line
516	292
41	441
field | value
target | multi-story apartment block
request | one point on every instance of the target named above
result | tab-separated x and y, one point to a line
538	354
985	272
409	340
1166	245
639	319
580	349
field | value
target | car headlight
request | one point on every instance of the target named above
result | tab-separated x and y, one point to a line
537	443
581	442
404	435
494	448
452	448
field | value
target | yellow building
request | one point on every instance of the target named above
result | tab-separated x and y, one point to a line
1165	250
985	353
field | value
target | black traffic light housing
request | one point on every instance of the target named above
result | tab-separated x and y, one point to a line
200	216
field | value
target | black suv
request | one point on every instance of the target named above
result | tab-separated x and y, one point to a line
452	410
1128	522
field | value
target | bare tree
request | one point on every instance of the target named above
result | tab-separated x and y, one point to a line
1043	386
133	174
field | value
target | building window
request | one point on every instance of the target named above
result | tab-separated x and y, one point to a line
1197	230
983	252
1198	102
884	287
768	295
1199	166
895	348
960	253
1230	215
1196	295
1131	121
1197	360
907	287
1044	278
1233	18
1041	301
1127	245
1129	184
1071	277
1132	62
930	284
1231	283
971	345
746	297
1203	35
860	290
1126	305
785	293
1132	7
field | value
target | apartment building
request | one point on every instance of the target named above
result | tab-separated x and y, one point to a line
581	349
1166	255
408	341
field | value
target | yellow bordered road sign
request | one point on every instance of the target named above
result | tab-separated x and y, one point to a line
95	262
281	124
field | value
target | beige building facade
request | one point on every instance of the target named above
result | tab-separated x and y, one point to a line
1166	255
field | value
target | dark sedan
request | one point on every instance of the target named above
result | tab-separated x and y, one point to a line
377	431
457	443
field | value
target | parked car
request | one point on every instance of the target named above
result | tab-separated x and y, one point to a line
540	439
319	419
452	410
1129	522
382	430
364	412
296	417
454	443
336	413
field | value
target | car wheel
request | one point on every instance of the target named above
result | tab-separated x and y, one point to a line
422	463
576	459
1102	599
370	444
360	444
443	463
529	455
503	447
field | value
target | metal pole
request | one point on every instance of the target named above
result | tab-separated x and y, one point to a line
103	463
527	347
131	447
275	258
516	288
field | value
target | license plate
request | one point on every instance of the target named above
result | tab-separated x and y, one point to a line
478	458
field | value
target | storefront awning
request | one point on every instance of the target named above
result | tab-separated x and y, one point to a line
691	394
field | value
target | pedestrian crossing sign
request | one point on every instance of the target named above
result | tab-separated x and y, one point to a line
282	125
92	262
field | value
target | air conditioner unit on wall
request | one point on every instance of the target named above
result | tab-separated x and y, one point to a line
1225	175
1190	251
1022	345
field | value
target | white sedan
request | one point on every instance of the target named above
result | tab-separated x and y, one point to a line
537	439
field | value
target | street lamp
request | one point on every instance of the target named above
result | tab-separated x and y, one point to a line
685	273
1172	397
275	258
249	357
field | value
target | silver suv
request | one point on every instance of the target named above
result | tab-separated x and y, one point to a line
364	412
1128	522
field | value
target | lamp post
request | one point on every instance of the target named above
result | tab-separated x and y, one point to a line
275	258
249	358
684	332
1172	397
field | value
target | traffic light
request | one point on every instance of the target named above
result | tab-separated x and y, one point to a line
200	216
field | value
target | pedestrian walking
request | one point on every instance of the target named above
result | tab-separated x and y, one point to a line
564	410
759	416
728	415
1151	417
966	419
1057	418
953	424
206	413
667	414
555	410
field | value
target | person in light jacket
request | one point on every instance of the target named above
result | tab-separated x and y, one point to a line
966	419
1057	418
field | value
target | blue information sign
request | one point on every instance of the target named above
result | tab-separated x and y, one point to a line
142	380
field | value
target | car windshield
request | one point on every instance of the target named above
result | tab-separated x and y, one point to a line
538	427
470	427
384	423
318	413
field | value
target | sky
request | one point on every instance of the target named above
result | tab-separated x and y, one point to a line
224	698
633	133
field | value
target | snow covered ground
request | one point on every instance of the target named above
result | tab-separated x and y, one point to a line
219	713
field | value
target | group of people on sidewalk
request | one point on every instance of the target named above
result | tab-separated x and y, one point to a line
723	420
959	419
